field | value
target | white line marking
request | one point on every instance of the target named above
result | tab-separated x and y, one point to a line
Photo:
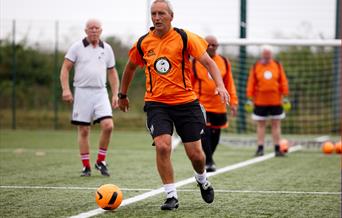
266	192
184	182
179	190
66	188
322	138
176	140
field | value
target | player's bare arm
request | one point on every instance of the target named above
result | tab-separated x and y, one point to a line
64	78
233	110
127	78
212	68
114	82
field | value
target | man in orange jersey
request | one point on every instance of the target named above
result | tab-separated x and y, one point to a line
169	98
267	89
205	88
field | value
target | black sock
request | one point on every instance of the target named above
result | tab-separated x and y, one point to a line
276	147
260	147
206	145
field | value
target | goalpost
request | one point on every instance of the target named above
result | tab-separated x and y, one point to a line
313	69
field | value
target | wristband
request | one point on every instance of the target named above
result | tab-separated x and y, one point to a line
122	96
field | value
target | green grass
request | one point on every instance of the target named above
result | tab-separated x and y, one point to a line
50	158
44	119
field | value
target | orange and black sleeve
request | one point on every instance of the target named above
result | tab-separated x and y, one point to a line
230	85
284	87
250	91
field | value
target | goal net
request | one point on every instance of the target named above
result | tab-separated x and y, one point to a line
313	69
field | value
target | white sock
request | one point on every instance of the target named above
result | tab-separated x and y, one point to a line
201	178
170	190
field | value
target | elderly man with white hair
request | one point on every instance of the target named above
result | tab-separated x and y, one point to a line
93	60
267	90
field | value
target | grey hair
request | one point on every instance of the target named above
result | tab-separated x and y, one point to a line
167	2
266	48
93	20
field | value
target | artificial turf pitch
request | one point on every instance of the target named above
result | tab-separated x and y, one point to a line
306	183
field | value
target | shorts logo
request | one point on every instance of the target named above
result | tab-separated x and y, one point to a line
268	75
151	130
75	115
162	65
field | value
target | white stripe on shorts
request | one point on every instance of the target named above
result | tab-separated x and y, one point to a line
274	117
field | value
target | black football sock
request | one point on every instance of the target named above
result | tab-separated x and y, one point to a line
276	148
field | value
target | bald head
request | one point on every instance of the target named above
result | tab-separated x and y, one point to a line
212	45
93	30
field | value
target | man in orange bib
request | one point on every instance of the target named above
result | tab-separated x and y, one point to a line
267	89
205	88
169	98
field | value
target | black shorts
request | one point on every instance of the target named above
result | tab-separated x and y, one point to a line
265	112
216	120
188	120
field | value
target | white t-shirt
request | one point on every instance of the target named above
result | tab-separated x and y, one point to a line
91	63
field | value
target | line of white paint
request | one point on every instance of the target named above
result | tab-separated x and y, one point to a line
184	182
267	192
65	188
179	190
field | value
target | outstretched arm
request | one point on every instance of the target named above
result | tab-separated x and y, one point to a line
113	80
126	80
64	78
212	68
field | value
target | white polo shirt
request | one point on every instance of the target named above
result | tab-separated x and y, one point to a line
91	63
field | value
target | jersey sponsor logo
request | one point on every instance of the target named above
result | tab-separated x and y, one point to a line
162	65
150	53
101	55
268	75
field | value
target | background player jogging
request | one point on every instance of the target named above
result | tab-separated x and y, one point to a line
216	110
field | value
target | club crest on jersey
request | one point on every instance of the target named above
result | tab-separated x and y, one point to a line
162	65
268	75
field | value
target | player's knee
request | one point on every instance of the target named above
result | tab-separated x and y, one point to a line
197	155
162	147
84	131
107	126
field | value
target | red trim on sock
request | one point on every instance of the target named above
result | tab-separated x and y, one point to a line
85	160
101	156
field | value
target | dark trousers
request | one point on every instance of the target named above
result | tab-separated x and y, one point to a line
210	140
